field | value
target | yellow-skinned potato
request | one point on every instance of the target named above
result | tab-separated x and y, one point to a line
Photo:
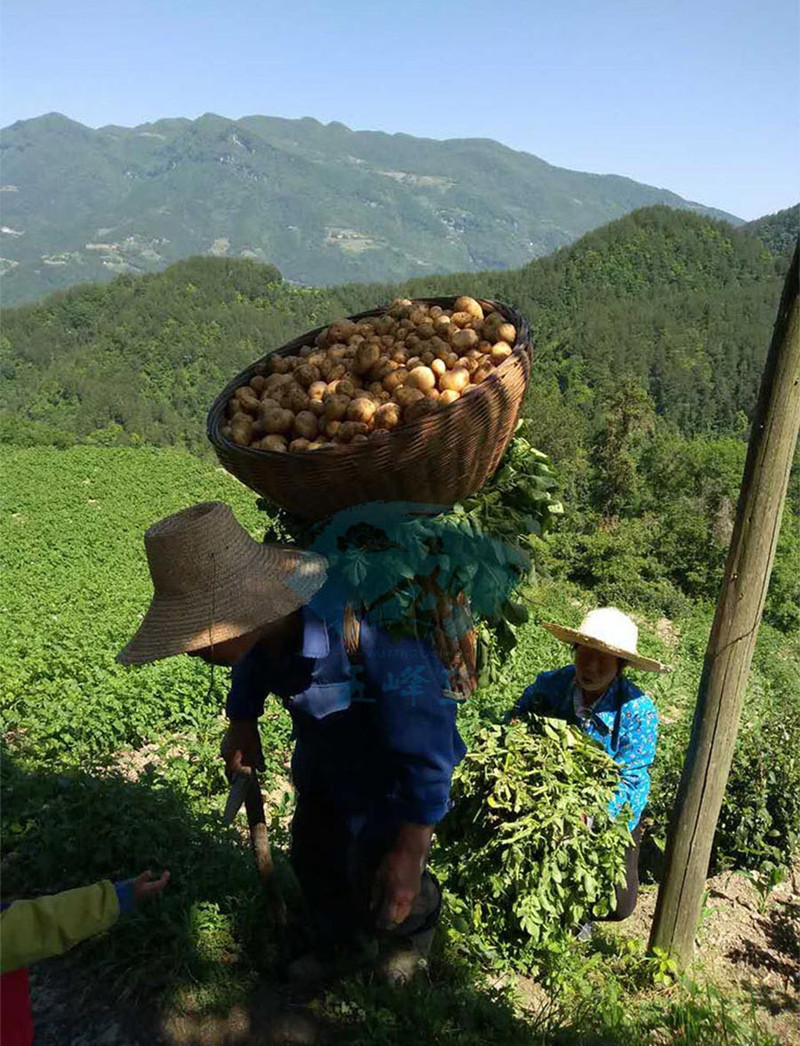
465	339
418	315
451	360
274	443
455	380
470	305
305	425
360	438
434	312
341	330
350	429
367	355
257	383
375	388
438	367
482	373
406	395
449	396
317	389
361	409
279	365
467	363
501	351
242	430
317	408
442	325
331	428
425	331
277	421
298	445
507	332
421	378
387	416
295	400
394	380
461	319
336	407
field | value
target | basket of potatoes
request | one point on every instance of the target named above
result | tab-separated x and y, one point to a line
415	401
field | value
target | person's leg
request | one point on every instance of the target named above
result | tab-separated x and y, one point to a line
628	893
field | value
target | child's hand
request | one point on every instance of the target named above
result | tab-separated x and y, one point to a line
144	886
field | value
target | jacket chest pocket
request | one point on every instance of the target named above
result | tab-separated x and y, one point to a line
323	699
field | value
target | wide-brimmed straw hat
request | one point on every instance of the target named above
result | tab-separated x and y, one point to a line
611	631
213	582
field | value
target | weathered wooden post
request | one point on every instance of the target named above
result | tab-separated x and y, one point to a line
733	635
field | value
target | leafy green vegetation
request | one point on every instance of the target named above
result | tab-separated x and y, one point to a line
107	770
324	203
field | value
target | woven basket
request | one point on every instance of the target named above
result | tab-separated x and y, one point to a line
438	459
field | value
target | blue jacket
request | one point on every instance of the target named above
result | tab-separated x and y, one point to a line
624	721
378	737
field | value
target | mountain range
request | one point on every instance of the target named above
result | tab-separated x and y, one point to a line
322	202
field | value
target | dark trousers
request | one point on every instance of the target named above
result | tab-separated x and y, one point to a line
335	857
628	893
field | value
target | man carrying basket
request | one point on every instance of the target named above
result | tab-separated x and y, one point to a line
374	725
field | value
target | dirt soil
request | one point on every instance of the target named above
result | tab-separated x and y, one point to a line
745	945
741	948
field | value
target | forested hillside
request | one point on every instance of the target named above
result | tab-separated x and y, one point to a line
649	337
322	202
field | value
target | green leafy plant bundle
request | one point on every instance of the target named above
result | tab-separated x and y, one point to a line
530	846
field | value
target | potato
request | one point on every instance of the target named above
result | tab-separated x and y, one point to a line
501	351
462	319
275	420
438	367
316	358
298	445
246	397
464	339
341	330
399	356
418	314
350	429
242	430
442	325
375	388
257	383
449	396
435	311
274	443
413	342
336	407
451	360
367	355
346	386
467	363
469	305
425	331
305	425
279	365
455	380
337	353
295	400
507	332
316	390
406	395
318	445
360	438
387	416
482	373
421	378
317	408
415	361
419	409
362	410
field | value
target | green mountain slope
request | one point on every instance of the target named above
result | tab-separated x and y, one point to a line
681	304
324	203
779	231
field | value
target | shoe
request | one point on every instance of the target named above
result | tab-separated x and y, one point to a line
312	971
404	959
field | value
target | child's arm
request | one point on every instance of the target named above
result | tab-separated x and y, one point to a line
33	930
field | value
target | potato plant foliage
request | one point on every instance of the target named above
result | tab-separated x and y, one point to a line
520	849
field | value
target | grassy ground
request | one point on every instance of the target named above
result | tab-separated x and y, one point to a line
107	771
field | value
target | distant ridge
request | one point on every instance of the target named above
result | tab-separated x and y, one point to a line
322	202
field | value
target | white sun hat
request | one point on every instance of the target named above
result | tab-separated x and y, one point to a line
611	631
213	582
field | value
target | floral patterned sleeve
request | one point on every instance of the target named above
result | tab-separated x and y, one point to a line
636	752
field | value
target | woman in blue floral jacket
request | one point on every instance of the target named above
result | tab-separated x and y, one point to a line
594	694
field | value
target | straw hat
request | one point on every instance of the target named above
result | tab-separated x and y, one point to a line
611	631
213	582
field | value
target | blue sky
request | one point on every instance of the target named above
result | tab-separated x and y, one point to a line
699	97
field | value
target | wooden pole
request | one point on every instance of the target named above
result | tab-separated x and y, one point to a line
730	647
